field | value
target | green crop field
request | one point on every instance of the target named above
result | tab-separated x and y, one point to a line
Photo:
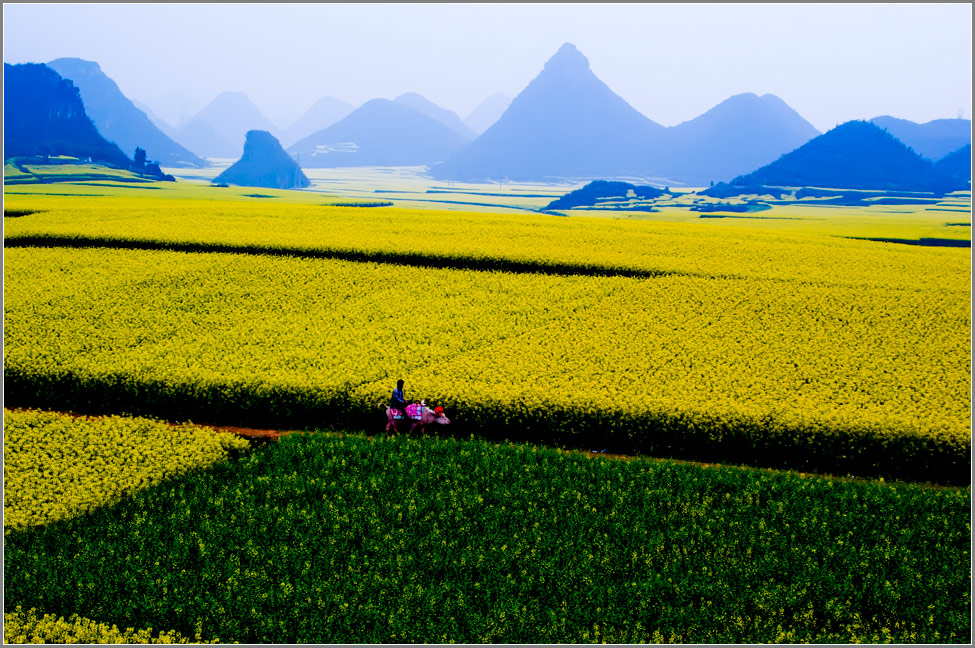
346	539
803	364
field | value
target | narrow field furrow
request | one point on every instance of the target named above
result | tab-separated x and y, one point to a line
407	259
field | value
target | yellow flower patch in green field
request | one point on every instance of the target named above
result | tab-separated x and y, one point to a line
20	627
57	466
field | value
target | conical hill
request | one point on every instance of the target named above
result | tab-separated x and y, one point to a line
264	164
565	124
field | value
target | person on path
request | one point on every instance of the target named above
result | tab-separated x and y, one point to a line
398	399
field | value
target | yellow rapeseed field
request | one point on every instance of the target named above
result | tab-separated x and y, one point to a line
785	336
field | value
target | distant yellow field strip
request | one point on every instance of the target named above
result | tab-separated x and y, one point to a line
696	248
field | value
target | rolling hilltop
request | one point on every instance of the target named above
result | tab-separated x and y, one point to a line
958	164
854	155
934	139
736	136
117	118
43	114
379	133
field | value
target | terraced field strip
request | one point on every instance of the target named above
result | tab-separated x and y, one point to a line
829	377
506	241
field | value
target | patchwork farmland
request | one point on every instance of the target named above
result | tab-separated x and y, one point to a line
779	411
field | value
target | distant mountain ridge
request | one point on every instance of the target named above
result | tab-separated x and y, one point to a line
322	114
264	164
934	139
159	122
957	164
203	138
117	118
854	155
446	117
220	128
738	135
565	124
43	114
379	133
487	112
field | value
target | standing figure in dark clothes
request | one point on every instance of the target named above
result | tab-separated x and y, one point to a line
398	399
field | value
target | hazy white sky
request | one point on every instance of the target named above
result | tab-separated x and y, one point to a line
830	62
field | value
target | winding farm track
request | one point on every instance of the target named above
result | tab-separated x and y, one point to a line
262	437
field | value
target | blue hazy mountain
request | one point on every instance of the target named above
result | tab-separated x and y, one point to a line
203	138
117	118
854	155
487	112
934	139
379	133
173	109
322	114
43	114
565	124
957	164
740	134
220	128
153	117
264	164
446	117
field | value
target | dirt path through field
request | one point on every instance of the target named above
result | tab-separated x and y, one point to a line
264	436
254	435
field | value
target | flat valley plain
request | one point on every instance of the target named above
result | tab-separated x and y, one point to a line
665	426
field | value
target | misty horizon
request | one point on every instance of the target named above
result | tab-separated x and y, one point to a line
672	63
